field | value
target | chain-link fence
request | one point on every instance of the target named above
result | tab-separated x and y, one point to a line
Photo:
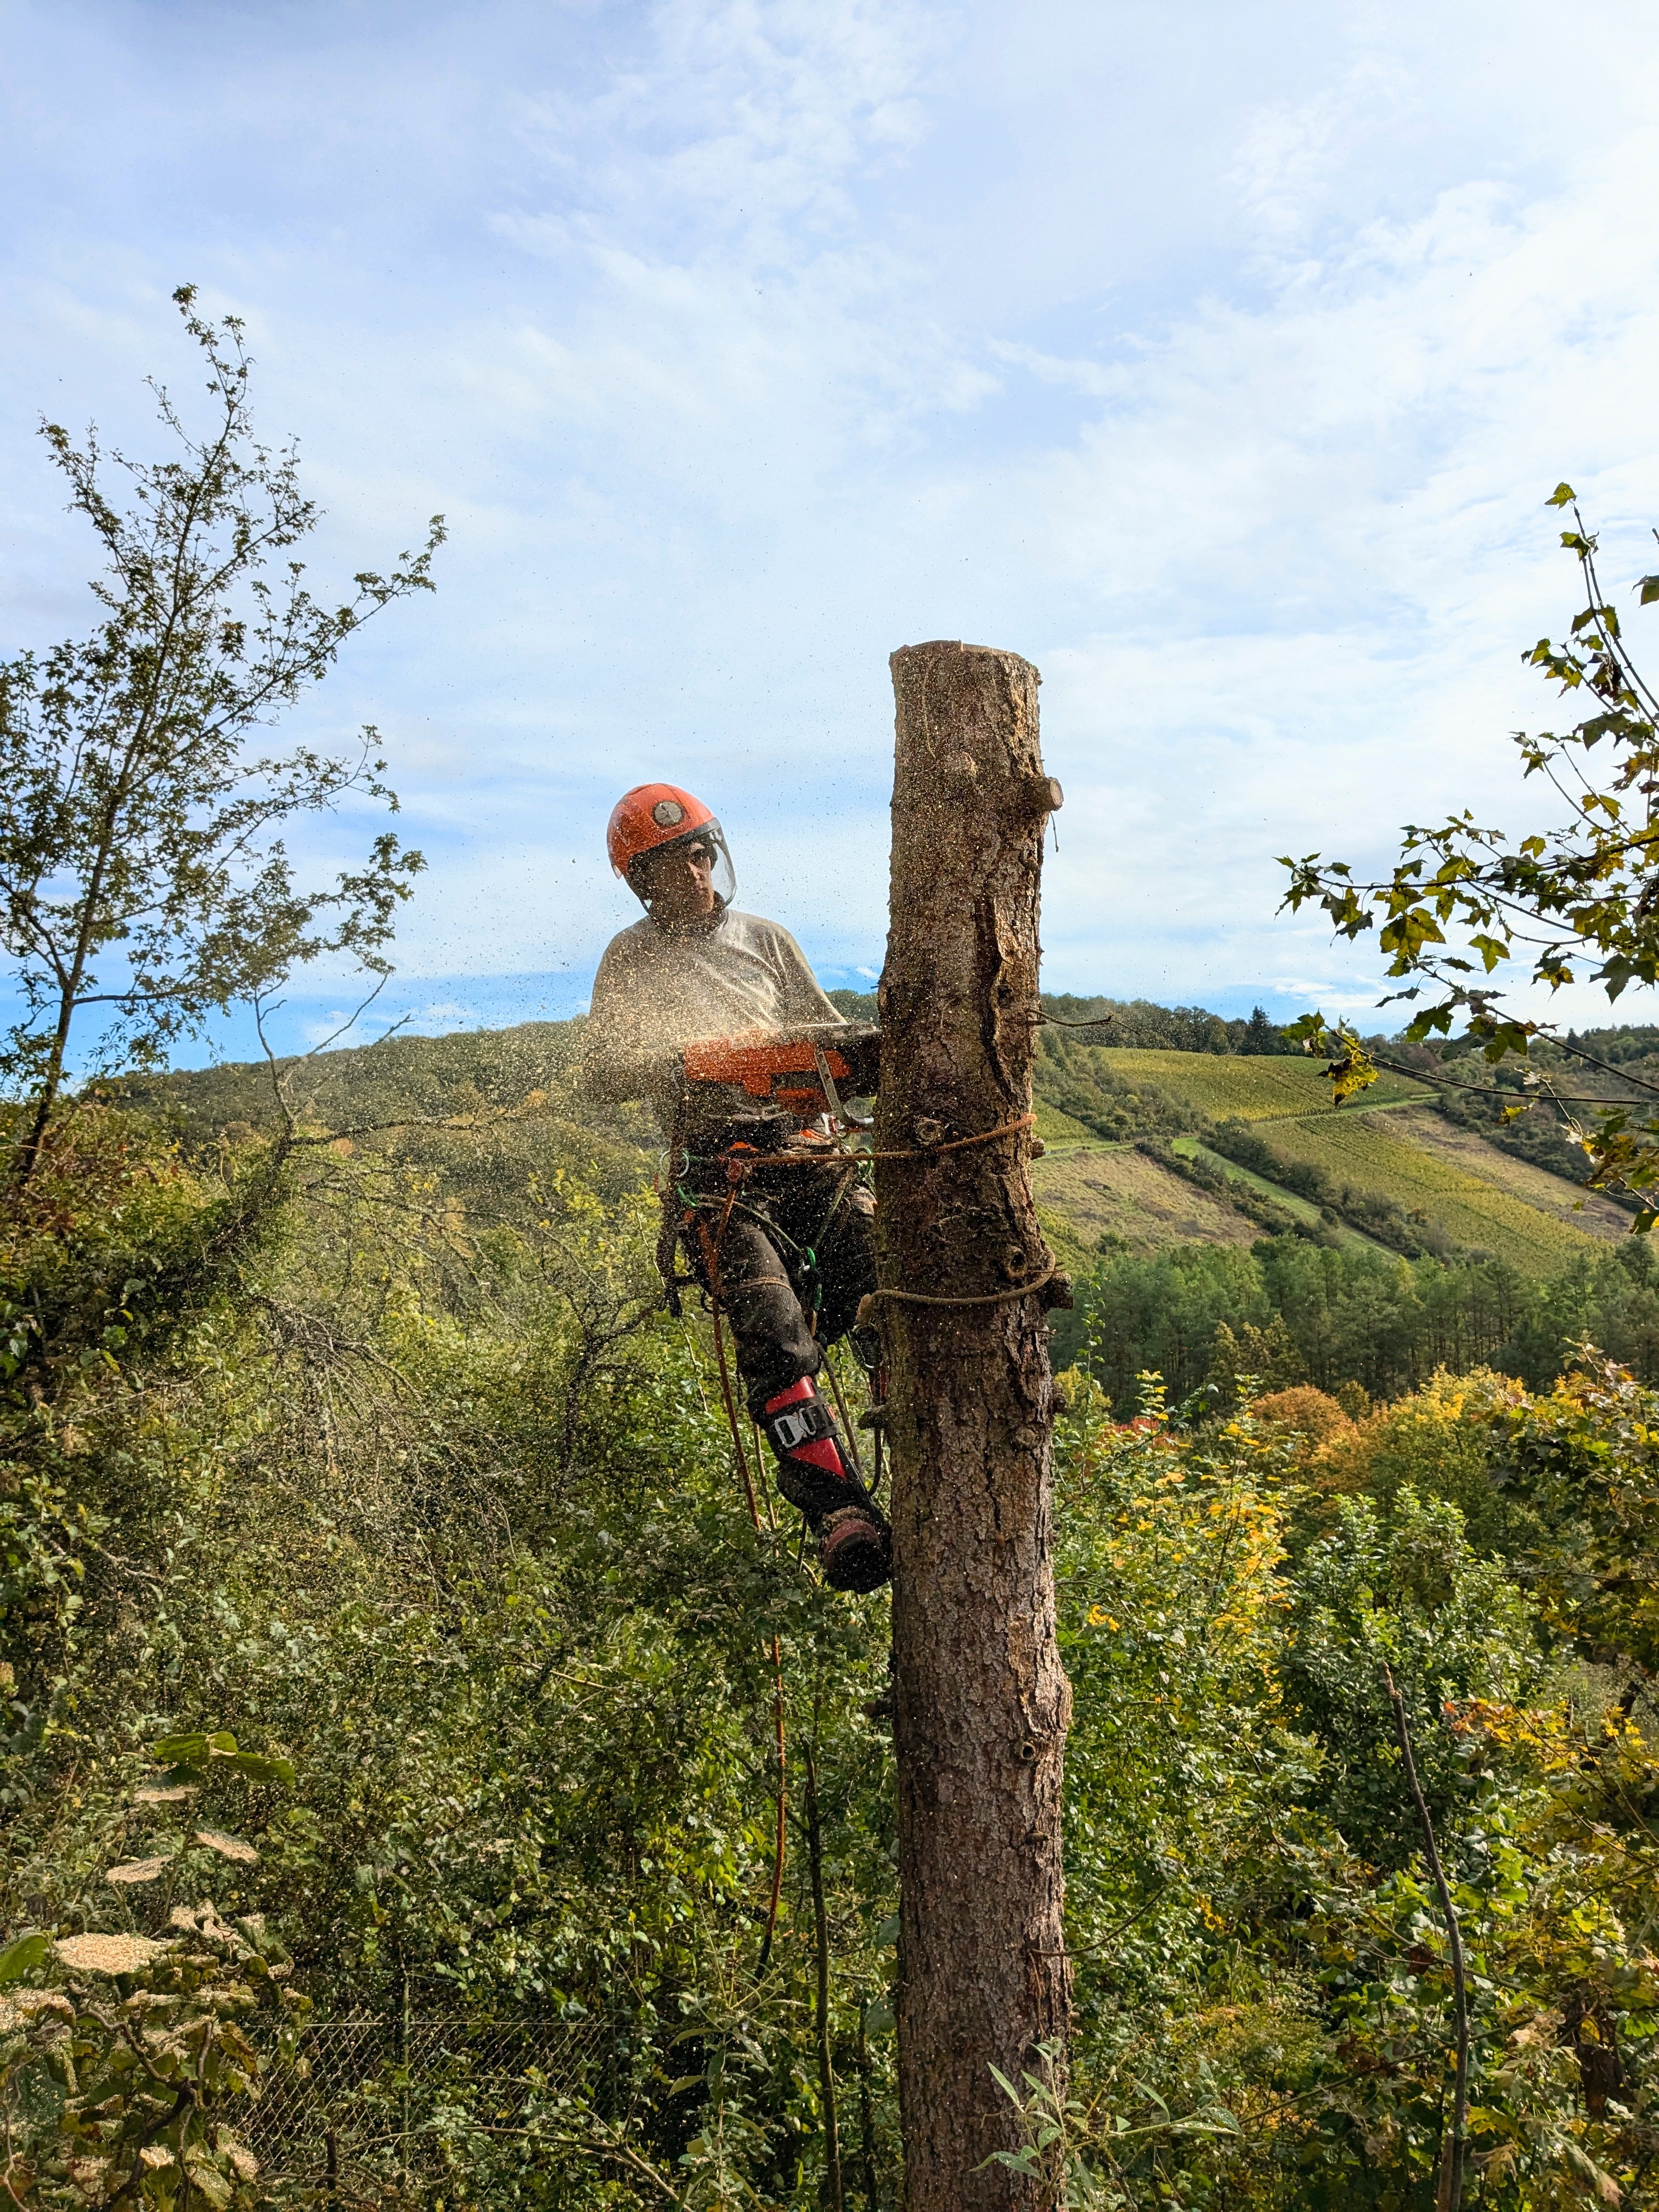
386	2110
381	2093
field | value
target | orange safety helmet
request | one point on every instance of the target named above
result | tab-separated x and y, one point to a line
654	815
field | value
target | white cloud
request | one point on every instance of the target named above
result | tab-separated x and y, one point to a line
1293	156
1218	360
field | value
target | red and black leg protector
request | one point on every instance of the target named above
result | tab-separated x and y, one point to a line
780	1351
854	1541
812	1469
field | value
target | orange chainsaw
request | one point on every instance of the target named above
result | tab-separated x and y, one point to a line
804	1070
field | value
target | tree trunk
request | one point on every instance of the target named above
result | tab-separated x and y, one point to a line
980	1700
52	1082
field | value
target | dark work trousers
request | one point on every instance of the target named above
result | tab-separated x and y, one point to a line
790	1267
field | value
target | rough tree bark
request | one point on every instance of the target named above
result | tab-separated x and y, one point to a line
981	1702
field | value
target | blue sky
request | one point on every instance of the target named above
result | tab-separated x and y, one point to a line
1219	360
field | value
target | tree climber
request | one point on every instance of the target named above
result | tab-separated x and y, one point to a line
784	1245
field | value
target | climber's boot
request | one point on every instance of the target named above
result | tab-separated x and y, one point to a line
855	1545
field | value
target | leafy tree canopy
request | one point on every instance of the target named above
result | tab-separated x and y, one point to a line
143	866
1578	902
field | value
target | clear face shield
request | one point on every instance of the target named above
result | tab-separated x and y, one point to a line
675	880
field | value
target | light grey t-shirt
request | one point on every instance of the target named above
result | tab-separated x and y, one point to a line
658	989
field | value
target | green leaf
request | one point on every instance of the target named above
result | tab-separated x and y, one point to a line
1648	587
187	1754
17	1958
259	1769
1563	495
1307	1030
211	2181
181	1750
1017	2161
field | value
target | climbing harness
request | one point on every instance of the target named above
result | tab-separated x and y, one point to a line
741	1160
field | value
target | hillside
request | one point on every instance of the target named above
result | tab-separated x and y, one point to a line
469	1072
1262	1132
1146	1147
1477	1196
490	1113
1225	1087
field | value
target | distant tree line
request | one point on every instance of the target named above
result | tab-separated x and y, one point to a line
1289	1311
1138	1025
1135	1023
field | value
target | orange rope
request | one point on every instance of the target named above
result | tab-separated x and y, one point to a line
957	1144
783	1802
711	1262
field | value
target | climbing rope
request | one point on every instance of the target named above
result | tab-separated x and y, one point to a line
981	1299
711	1253
846	1418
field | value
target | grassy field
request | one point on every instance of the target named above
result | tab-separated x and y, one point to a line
1054	1127
1252	1089
1304	1208
1482	1199
1495	1211
1115	1189
1584	1210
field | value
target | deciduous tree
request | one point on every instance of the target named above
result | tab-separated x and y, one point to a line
1576	901
143	866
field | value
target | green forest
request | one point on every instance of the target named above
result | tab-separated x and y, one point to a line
389	1642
